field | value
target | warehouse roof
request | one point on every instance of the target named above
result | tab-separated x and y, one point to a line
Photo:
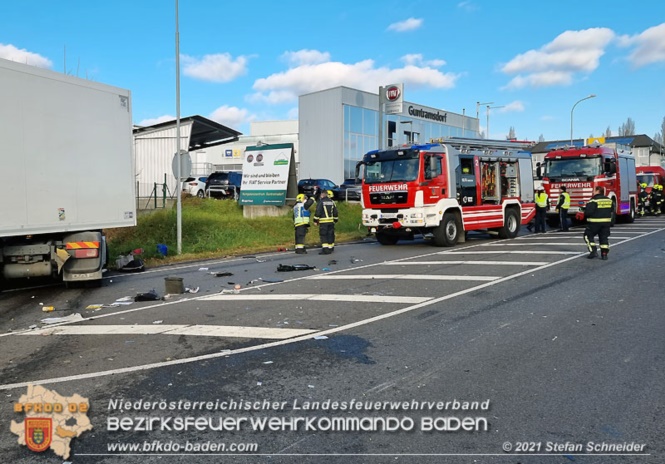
204	132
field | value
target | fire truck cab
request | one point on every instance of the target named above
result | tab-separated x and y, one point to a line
580	170
650	175
446	188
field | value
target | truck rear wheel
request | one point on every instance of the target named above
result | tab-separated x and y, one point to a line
447	233
386	239
511	225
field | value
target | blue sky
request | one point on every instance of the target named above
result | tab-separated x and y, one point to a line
244	61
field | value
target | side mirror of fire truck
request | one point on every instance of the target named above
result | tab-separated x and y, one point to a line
359	165
610	166
539	171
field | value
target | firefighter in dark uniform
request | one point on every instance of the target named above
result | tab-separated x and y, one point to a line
301	221
656	199
598	215
642	198
326	217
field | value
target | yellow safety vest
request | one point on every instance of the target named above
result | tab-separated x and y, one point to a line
541	200
566	200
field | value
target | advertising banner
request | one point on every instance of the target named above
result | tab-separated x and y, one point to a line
265	174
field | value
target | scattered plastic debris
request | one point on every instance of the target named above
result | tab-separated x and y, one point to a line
355	260
272	281
267	362
282	249
259	383
320	337
332	262
310	386
55	320
48	309
147	296
253	281
33	326
94	307
258	260
157	322
192	290
294	267
130	262
325	269
203	269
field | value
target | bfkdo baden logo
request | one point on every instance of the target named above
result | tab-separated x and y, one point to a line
51	420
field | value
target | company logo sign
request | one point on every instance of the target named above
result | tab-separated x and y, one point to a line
393	93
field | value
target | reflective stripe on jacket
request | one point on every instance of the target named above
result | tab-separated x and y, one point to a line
599	209
326	211
300	215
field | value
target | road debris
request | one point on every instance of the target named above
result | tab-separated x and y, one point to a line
94	307
56	320
192	290
272	281
203	269
320	337
157	322
294	267
48	309
130	262
222	274
332	262
147	296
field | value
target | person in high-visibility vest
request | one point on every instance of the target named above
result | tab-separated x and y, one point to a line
542	205
326	217
301	221
598	215
562	205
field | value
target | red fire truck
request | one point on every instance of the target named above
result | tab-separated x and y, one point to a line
445	188
650	175
581	169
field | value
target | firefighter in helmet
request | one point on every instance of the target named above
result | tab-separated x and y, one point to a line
598	215
326	218
642	198
656	198
301	221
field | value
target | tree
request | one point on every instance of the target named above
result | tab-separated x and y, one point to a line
511	134
541	138
608	132
627	128
657	137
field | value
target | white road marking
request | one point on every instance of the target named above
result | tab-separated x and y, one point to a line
405	277
177	329
328	297
511	252
539	244
145	367
480	263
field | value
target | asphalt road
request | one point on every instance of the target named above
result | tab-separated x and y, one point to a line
554	351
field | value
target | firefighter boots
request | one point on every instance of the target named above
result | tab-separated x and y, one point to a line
301	251
603	255
592	254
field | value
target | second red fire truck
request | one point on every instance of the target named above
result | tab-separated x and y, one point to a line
444	189
581	169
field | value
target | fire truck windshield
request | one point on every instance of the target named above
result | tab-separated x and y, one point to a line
573	167
391	170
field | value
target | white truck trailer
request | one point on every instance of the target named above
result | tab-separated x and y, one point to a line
67	173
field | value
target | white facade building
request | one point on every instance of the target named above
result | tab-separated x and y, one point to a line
339	125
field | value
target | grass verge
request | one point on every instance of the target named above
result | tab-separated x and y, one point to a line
216	228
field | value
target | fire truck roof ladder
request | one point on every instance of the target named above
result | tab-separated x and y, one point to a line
481	144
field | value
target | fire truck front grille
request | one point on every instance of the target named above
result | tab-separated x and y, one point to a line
383	198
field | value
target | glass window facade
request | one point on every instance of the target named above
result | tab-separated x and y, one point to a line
361	133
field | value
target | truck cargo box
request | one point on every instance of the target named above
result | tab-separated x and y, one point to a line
66	158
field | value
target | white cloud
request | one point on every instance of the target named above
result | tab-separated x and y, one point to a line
288	85
410	24
11	53
416	59
230	116
544	79
302	57
649	46
220	67
293	113
556	62
512	107
157	120
467	6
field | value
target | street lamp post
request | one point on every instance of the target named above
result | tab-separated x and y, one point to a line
488	118
571	115
478	104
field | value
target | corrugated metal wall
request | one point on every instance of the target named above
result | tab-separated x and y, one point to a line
321	135
154	152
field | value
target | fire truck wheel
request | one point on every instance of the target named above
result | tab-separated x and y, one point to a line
447	233
511	226
386	239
